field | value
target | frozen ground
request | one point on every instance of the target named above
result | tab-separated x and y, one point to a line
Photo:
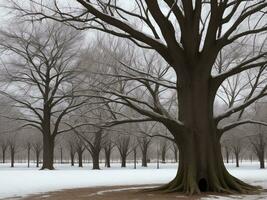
22	181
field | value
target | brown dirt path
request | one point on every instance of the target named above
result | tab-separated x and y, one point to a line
109	193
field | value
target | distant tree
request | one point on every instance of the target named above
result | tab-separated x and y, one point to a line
40	65
37	147
174	149
12	145
80	148
28	147
259	143
108	147
144	143
164	147
4	146
71	146
237	147
124	146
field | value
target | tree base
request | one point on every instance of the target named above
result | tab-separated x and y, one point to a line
47	168
231	185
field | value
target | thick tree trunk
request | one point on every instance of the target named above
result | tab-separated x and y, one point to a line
237	160
163	156
262	164
48	153
123	161
107	159
261	159
80	158
201	167
227	156
95	157
144	158
72	159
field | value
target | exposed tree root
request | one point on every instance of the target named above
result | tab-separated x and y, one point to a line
226	185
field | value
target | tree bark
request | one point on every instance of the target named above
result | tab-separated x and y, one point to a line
95	157
261	159
72	159
201	166
80	158
107	158
144	158
123	161
48	153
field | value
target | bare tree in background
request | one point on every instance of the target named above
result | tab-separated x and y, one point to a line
144	143
258	143
124	146
174	149
13	148
80	148
40	66
37	147
237	147
71	146
108	146
164	147
4	146
28	147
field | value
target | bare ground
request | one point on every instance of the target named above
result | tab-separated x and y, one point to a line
110	193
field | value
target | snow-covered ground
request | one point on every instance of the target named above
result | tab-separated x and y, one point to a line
22	181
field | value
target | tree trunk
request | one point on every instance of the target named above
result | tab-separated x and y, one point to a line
163	156
201	167
123	161
28	156
4	155
12	157
175	155
262	164
261	159
37	158
227	156
72	159
107	159
134	158
144	158
61	155
80	158
95	157
48	152
237	159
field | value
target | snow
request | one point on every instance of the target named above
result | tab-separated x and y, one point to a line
23	181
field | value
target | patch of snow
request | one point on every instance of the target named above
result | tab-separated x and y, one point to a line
23	181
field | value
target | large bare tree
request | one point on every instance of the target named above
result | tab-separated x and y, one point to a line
189	35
